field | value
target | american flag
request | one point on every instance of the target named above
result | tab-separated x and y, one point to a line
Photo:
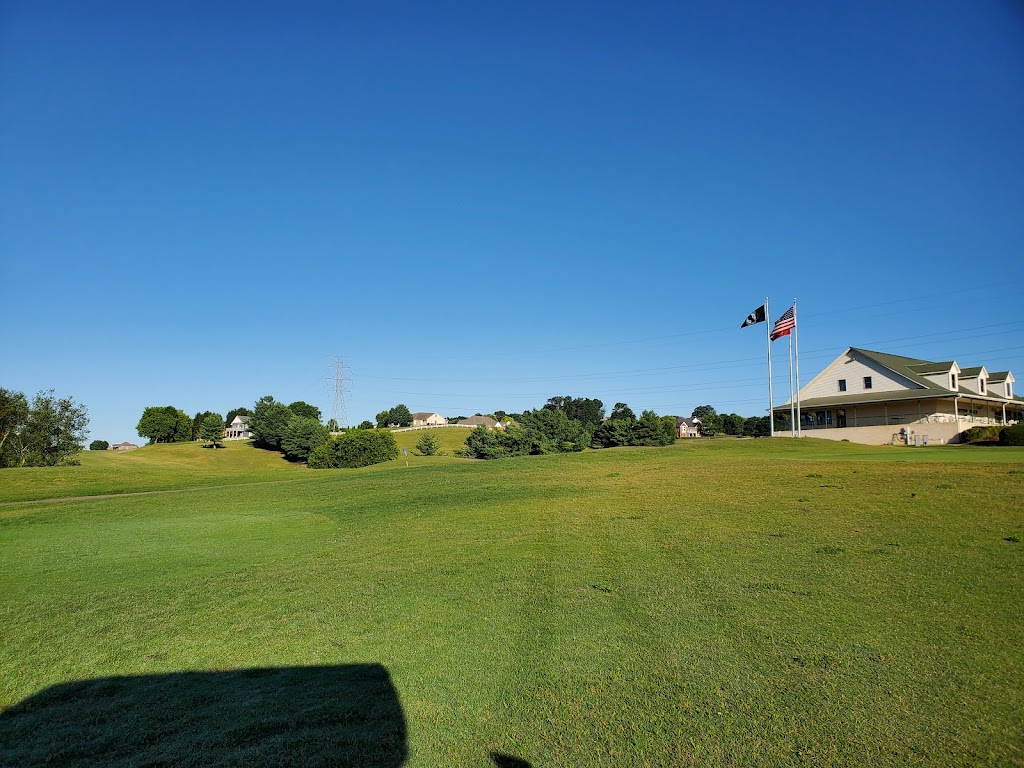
784	325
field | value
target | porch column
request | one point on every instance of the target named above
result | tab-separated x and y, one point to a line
1004	413
886	407
956	410
919	410
855	415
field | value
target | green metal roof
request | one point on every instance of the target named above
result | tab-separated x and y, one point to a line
944	367
969	373
907	367
998	376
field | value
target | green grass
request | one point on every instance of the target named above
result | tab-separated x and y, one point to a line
451	439
716	602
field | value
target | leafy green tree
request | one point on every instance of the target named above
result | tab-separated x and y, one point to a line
781	421
302	437
428	445
307	411
99	445
383	418
710	421
614	433
269	422
366	424
587	411
332	425
13	415
211	428
235	412
53	432
401	416
623	412
165	424
732	424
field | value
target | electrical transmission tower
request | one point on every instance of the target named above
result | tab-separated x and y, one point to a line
340	378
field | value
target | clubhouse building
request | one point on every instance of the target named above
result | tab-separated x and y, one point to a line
868	397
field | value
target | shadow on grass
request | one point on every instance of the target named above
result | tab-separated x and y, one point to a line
303	716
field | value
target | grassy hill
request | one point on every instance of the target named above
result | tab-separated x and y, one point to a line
716	602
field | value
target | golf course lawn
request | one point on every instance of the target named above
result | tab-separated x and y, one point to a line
717	602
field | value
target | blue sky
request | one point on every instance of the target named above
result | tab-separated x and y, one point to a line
480	206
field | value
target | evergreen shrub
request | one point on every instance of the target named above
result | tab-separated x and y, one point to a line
1012	435
357	448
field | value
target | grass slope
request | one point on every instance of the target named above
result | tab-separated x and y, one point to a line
724	602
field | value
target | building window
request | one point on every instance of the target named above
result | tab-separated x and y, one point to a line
981	386
842	385
867	382
953	378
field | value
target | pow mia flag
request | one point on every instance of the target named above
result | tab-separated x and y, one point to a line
759	315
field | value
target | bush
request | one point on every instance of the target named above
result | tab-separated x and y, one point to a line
99	445
980	435
357	448
302	436
1012	435
428	445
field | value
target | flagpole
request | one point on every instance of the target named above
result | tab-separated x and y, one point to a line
792	401
768	337
796	347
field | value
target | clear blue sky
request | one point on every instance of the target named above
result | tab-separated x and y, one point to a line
483	205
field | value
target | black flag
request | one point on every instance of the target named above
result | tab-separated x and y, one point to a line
759	315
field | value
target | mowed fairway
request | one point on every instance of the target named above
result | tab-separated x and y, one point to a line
717	602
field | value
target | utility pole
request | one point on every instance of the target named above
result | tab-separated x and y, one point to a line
340	378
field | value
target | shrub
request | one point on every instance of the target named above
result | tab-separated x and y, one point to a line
428	445
99	445
357	448
301	437
980	435
1012	435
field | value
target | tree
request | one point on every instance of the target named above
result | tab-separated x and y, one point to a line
197	424
302	436
332	425
399	416
366	424
165	424
50	431
269	422
428	445
99	445
300	408
624	412
732	424
710	421
211	428
235	412
13	415
587	411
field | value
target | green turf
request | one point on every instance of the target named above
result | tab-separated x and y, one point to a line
451	439
720	602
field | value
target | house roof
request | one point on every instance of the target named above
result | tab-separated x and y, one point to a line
970	373
944	367
425	414
478	421
124	445
1000	376
686	421
908	367
241	418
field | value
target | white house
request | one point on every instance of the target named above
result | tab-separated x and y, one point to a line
865	397
238	429
428	420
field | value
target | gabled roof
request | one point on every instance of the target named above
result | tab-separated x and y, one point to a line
425	414
972	373
687	422
907	367
241	418
925	368
478	421
999	377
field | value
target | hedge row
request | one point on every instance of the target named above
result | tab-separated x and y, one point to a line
357	448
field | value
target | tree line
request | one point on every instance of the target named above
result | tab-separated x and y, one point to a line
45	432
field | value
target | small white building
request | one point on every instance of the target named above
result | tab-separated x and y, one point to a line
238	429
687	427
425	419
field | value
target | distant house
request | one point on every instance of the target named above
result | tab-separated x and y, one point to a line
687	427
428	420
478	421
238	429
123	446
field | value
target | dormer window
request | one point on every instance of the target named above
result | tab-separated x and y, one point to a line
1009	390
952	377
981	386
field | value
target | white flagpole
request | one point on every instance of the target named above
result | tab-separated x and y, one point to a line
768	337
796	349
792	402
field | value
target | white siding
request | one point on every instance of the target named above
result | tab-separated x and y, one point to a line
854	368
